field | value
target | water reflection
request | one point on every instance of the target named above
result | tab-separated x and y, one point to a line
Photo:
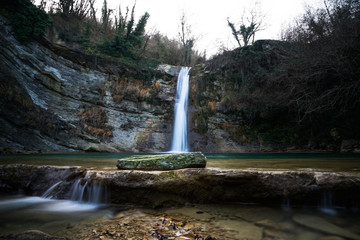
21	213
224	221
107	161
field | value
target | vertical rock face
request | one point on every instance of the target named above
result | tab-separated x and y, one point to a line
55	99
210	128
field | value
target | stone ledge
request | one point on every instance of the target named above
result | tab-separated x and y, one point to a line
191	185
170	161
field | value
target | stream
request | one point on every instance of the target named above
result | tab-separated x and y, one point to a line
90	218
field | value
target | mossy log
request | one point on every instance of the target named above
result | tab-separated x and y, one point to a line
163	161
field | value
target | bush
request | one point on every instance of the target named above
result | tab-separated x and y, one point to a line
130	89
27	20
126	39
93	121
169	51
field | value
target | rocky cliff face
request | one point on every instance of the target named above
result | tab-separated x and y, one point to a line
58	99
55	99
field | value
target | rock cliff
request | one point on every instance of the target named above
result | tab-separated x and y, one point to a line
57	99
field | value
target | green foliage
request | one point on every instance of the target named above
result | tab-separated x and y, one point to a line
126	39
247	32
28	21
117	47
105	16
322	80
251	23
169	51
234	32
297	91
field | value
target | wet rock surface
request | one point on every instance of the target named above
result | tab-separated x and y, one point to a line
31	235
55	99
322	225
209	222
150	193
163	161
197	185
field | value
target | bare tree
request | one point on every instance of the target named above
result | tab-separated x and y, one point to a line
105	16
187	39
77	8
93	11
251	23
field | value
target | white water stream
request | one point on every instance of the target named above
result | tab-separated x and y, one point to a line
179	139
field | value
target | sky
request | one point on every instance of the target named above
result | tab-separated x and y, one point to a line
208	18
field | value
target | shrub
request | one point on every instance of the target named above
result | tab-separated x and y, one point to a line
133	90
27	20
212	107
93	121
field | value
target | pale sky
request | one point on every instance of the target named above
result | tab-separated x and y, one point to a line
208	18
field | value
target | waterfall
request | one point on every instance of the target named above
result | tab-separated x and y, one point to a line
179	139
92	193
82	191
50	190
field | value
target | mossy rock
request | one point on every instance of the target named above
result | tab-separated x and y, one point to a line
163	161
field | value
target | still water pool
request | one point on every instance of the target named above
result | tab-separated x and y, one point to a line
331	162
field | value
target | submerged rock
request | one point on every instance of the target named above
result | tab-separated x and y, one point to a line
322	225
32	235
163	161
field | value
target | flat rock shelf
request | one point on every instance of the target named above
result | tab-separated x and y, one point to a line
190	185
169	161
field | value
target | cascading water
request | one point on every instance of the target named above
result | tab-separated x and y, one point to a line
81	191
92	193
48	192
179	139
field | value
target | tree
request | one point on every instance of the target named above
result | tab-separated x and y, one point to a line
120	22
187	40
320	81
28	21
127	37
250	24
78	8
105	16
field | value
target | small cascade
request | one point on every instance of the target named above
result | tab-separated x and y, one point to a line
93	192
285	205
327	204
179	139
81	191
47	193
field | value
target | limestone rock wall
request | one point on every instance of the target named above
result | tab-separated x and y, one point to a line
57	99
51	103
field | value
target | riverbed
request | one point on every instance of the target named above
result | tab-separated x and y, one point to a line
75	220
241	220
